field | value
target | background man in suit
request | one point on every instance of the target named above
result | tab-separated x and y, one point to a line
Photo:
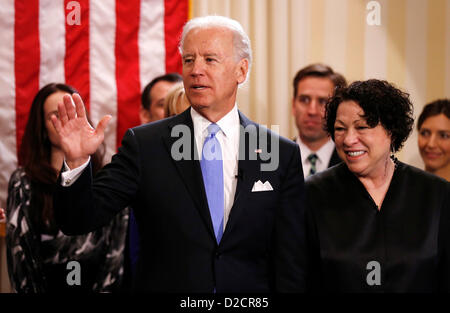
153	95
313	85
220	224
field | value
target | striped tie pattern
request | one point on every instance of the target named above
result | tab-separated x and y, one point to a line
312	158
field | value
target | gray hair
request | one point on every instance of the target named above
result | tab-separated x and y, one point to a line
241	42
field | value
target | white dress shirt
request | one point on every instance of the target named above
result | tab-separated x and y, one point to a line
324	156
228	137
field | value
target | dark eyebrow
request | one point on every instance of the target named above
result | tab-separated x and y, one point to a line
52	112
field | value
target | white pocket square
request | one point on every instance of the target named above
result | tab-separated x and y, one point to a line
259	186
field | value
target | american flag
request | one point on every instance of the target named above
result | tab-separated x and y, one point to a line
107	49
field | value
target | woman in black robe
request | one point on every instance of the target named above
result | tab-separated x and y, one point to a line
376	224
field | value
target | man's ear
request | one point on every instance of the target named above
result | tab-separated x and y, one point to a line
242	71
144	115
293	106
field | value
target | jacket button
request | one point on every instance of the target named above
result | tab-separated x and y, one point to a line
218	255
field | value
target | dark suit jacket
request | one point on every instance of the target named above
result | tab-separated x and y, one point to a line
263	245
335	159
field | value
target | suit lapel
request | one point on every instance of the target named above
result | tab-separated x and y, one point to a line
189	169
248	169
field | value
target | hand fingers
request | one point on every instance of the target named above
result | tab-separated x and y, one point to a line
101	126
70	109
62	111
56	123
79	105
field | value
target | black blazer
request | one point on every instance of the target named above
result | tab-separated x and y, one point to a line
335	159
263	245
408	238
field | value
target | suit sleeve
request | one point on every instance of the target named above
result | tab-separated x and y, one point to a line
444	243
313	200
89	203
291	250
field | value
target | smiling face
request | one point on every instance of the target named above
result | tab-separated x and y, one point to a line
365	150
211	74
434	142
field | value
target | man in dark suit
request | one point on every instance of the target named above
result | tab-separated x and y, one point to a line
313	85
218	199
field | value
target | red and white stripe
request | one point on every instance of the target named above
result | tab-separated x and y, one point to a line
109	58
8	149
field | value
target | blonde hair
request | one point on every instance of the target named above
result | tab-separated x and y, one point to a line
176	101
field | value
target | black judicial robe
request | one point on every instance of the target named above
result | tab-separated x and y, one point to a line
409	238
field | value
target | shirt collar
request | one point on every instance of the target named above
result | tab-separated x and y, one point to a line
323	154
227	123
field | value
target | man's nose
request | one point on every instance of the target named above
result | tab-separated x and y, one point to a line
197	67
313	107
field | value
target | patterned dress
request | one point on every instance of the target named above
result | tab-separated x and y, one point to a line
103	249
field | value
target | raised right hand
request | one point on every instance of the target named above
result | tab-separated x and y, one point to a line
78	139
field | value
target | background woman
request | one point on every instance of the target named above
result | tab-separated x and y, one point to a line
37	252
376	224
434	137
175	102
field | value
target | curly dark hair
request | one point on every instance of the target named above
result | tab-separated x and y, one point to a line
382	103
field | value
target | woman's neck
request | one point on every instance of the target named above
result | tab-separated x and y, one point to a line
377	186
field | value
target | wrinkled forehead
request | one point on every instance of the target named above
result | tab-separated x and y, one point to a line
206	37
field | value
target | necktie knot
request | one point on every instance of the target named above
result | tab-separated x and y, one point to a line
312	158
213	128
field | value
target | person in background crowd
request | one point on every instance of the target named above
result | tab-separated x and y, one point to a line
434	137
175	101
377	224
38	253
152	98
313	85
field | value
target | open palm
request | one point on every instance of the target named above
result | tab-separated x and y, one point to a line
78	138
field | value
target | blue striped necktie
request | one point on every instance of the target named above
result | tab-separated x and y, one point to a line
212	171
